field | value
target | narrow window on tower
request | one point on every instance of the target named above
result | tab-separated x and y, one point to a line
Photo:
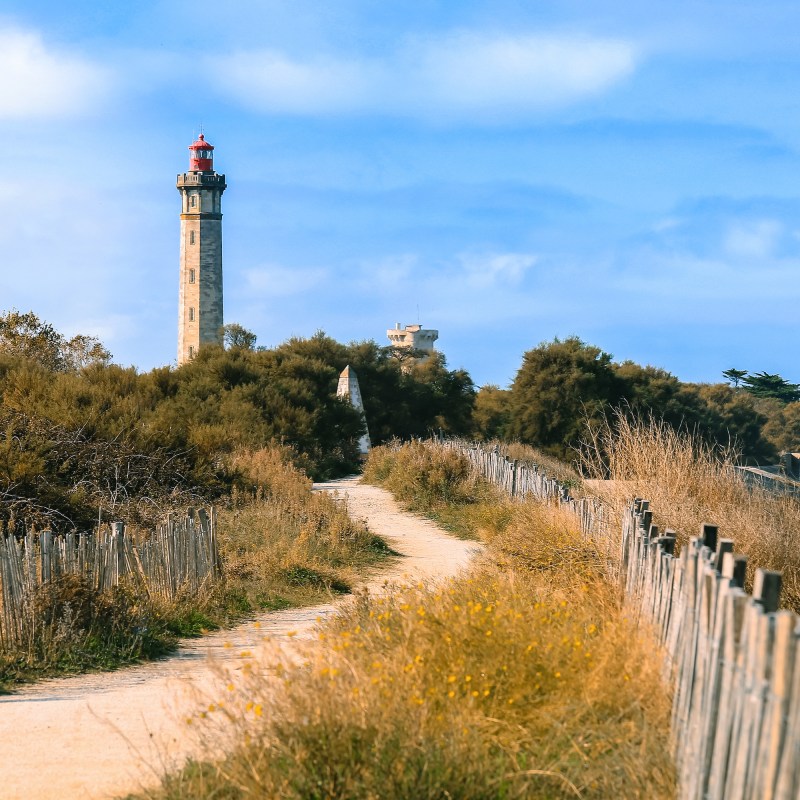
191	351
191	237
191	315
194	200
191	276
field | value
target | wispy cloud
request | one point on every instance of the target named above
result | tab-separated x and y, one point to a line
473	72
269	81
38	81
753	239
749	231
457	74
497	268
388	274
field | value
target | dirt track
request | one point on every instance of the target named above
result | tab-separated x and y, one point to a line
100	736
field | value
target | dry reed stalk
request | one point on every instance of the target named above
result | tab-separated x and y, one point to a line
688	482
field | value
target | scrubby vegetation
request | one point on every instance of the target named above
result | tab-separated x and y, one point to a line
521	679
82	440
283	545
436	482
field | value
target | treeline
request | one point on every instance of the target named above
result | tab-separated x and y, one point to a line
82	439
564	385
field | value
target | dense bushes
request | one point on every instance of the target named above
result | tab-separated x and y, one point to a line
564	386
82	440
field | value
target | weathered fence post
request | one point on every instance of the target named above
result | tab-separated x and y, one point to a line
767	589
46	552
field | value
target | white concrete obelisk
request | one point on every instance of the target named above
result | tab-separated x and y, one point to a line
348	387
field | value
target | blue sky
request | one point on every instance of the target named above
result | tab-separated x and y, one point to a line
502	170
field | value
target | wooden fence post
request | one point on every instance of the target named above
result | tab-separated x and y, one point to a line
709	534
767	589
46	551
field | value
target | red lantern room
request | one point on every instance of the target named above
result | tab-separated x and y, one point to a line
201	155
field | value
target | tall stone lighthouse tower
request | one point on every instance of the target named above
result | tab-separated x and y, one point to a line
200	292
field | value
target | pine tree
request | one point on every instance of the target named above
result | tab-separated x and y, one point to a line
762	384
735	376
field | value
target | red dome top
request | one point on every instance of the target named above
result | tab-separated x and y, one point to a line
201	144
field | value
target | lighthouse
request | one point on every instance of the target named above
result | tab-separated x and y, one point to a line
200	287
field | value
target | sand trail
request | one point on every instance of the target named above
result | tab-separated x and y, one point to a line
103	735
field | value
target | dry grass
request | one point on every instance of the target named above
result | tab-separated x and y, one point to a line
689	482
521	679
553	467
423	475
280	544
438	482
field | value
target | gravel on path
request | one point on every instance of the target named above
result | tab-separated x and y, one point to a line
104	735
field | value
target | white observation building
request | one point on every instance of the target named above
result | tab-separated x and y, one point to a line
414	338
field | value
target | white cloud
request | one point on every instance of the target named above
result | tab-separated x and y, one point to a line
270	81
462	74
753	238
389	274
473	72
41	82
667	224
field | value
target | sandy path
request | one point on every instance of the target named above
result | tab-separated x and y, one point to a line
96	736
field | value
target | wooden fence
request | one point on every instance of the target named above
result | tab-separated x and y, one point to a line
181	556
523	480
732	658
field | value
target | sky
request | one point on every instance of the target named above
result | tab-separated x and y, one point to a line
503	171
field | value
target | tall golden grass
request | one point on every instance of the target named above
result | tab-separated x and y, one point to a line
688	482
520	679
